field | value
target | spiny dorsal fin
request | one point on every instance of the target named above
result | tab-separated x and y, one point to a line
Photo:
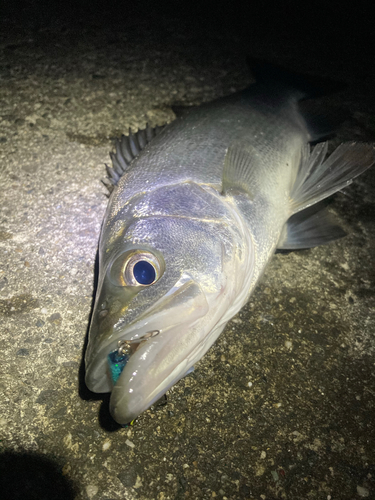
317	177
127	148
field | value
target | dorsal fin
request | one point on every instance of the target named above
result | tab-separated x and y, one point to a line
280	86
181	110
321	125
127	148
302	86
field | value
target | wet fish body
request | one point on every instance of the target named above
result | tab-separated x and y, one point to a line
197	212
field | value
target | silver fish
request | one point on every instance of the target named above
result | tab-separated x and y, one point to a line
197	212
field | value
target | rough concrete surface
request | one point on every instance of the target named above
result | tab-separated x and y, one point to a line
283	405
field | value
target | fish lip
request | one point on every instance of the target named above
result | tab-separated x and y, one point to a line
127	402
123	414
99	363
185	300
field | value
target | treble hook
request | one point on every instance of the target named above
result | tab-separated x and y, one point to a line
124	346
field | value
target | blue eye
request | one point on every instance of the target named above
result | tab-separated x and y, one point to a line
138	268
144	272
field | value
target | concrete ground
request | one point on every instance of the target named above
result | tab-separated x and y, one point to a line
283	405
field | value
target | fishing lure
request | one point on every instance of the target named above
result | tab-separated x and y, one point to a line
118	358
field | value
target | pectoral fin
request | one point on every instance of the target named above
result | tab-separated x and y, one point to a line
241	170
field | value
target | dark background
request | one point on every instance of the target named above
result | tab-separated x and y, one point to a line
339	30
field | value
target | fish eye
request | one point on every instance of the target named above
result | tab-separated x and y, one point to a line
141	268
137	268
144	272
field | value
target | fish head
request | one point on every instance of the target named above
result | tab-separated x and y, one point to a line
166	288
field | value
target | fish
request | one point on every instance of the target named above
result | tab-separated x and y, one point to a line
198	209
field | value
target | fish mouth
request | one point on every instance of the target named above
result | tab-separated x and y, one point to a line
151	371
157	361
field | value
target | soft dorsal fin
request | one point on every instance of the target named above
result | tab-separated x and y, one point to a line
302	86
181	111
281	85
127	148
241	169
321	125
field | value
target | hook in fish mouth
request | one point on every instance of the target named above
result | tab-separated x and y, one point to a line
118	359
125	346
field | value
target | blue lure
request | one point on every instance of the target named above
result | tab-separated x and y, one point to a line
117	359
117	362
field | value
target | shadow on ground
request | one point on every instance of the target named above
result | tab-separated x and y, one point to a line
32	476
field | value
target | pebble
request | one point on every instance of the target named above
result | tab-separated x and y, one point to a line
363	492
22	352
91	490
106	445
275	475
288	344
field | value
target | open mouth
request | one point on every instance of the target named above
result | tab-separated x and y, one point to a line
118	359
147	359
175	312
